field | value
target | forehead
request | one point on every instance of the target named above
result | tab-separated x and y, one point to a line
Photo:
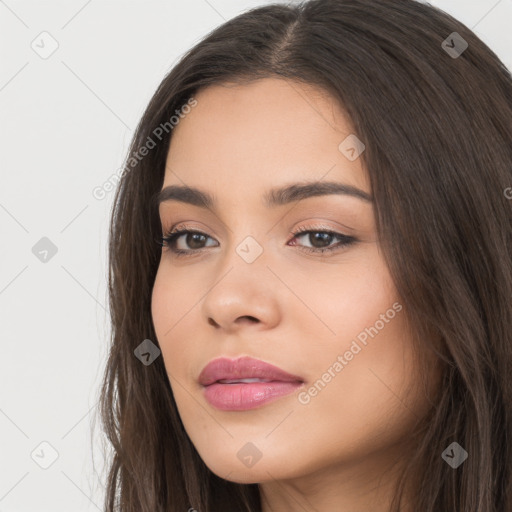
256	135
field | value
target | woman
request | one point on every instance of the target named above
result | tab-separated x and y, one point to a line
310	272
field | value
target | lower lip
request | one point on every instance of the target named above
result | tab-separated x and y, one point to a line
242	397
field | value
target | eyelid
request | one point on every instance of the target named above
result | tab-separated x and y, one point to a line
183	226
319	224
170	237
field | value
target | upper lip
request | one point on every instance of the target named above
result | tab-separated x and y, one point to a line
243	368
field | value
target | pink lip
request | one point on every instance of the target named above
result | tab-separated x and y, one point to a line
244	396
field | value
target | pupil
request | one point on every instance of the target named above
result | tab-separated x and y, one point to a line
319	237
194	237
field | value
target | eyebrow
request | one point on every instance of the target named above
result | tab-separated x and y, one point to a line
272	198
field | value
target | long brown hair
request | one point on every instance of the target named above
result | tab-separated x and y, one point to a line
437	127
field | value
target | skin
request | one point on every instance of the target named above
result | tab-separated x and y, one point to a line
340	451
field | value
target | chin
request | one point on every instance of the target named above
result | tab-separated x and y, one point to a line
233	472
275	465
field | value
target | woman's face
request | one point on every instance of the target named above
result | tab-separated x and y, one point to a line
249	287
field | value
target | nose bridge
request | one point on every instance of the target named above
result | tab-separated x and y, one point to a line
247	224
245	258
250	249
243	284
248	234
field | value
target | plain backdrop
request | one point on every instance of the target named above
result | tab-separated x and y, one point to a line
75	77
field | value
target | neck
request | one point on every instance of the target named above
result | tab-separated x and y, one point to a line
367	484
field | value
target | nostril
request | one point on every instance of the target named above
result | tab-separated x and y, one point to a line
211	321
250	318
245	318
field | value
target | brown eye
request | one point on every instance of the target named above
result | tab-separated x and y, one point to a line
321	243
193	241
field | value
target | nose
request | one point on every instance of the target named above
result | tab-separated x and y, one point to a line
245	296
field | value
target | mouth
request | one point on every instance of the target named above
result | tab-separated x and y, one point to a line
239	381
245	383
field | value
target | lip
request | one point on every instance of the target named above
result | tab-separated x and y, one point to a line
243	396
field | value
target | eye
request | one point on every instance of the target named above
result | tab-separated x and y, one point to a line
195	239
322	243
191	237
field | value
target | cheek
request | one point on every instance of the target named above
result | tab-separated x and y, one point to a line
161	306
175	304
344	301
360	376
372	394
173	299
168	310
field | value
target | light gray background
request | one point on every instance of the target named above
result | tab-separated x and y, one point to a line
66	122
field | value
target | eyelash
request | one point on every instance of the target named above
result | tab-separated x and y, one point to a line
168	241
